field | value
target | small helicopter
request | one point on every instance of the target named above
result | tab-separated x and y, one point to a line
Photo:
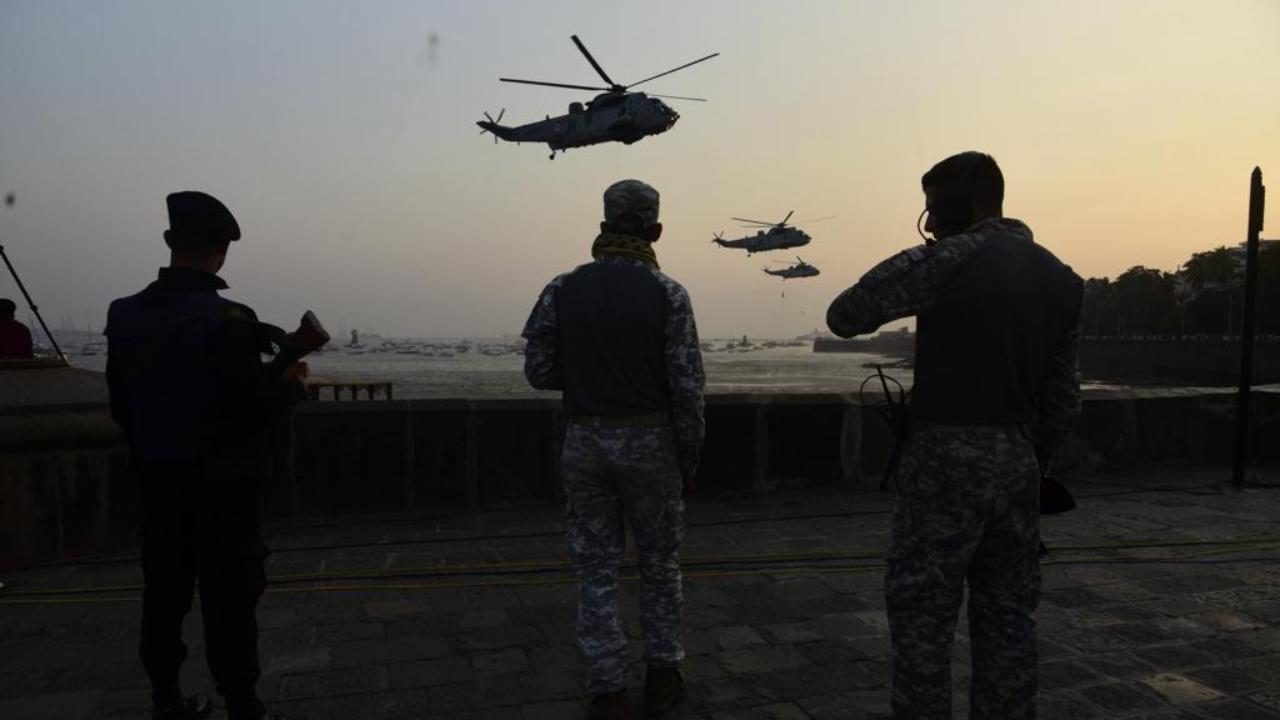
616	115
801	269
778	236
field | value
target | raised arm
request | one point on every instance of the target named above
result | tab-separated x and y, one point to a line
906	284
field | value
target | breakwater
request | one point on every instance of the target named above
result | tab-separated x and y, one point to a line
66	489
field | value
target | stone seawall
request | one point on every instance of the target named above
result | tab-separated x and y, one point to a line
66	491
1203	362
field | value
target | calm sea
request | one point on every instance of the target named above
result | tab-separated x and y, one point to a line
435	368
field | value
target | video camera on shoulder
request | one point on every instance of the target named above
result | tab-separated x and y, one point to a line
310	335
293	346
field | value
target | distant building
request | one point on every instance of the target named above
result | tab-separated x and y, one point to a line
1239	250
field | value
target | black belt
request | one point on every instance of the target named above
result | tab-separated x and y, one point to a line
658	419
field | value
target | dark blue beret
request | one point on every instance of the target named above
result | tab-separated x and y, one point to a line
200	215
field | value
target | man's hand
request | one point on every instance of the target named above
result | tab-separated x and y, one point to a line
687	472
298	371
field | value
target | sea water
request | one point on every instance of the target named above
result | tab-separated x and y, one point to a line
456	368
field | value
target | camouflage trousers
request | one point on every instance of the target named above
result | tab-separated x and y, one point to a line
967	509
613	477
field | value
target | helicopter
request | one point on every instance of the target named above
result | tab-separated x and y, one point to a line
615	115
801	269
778	236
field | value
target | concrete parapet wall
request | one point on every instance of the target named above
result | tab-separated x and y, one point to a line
65	489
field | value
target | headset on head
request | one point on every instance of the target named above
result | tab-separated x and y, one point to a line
953	210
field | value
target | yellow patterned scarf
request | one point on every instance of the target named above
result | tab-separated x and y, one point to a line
626	246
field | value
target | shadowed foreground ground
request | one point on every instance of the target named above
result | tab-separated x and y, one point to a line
1157	604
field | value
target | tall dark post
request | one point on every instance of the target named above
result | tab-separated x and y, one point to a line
8	203
1257	198
31	304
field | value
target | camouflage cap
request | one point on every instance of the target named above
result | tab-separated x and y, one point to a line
631	197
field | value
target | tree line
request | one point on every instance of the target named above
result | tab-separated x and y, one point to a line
1204	298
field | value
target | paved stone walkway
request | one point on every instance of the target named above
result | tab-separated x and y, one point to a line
1157	604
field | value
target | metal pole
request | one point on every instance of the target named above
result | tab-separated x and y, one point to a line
31	303
1257	198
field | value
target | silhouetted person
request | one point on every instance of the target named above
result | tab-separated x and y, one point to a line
996	390
196	405
15	338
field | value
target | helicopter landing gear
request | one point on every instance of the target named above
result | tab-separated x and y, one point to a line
552	156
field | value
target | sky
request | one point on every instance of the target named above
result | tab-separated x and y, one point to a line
342	137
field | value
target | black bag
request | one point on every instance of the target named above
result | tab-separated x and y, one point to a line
1055	498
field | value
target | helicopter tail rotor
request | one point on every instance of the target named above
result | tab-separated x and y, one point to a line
493	125
718	239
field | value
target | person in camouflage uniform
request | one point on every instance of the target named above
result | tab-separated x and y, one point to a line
996	390
618	337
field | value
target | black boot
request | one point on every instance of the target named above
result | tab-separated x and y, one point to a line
663	688
610	706
177	707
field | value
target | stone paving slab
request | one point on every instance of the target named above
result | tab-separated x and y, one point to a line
1161	601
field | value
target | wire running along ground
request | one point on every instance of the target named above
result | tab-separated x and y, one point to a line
119	559
555	572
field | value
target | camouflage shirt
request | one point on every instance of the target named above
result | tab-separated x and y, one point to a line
918	279
682	356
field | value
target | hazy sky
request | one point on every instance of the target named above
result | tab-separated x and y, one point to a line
343	140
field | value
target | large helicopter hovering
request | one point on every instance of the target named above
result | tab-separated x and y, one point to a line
800	269
615	115
769	236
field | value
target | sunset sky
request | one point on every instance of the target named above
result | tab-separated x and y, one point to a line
344	141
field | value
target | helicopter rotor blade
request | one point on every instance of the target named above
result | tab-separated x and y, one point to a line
785	219
695	62
676	97
552	84
756	222
593	62
492	121
814	220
